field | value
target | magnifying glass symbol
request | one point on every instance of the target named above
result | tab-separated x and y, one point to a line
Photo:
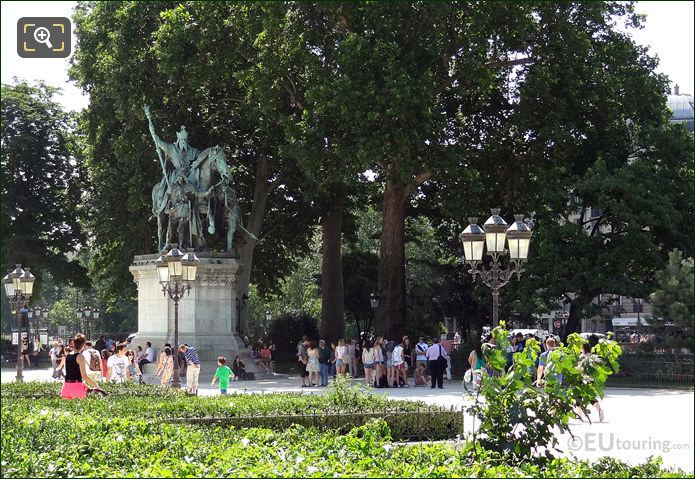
42	35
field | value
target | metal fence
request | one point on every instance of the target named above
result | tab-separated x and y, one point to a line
423	423
654	370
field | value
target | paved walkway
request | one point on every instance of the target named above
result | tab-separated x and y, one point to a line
639	422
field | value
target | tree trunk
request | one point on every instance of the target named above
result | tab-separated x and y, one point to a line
332	295
255	220
575	316
390	320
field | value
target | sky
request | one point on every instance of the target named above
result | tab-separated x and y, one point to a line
668	32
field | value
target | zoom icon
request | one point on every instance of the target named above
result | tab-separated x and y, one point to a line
44	37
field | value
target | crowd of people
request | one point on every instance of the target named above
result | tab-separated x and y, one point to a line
385	362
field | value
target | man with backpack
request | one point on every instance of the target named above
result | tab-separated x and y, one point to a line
92	359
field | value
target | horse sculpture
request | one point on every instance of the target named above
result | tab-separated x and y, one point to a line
211	199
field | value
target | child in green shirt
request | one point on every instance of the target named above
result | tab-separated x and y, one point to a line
223	373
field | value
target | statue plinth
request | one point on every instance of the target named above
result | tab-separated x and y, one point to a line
208	315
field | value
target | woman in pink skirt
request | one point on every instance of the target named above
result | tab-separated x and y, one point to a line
76	379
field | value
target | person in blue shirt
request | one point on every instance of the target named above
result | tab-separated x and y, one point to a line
192	367
544	360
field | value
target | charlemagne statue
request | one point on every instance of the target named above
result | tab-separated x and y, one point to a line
196	188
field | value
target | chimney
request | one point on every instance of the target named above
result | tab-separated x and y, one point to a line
676	89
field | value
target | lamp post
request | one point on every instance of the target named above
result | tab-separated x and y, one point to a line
268	316
374	301
492	236
176	272
19	285
78	318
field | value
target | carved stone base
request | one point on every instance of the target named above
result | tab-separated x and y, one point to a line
207	315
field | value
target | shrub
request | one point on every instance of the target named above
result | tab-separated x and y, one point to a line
55	444
518	419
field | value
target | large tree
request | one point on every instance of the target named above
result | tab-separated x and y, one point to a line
41	183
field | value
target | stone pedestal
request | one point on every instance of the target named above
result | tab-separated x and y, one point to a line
207	315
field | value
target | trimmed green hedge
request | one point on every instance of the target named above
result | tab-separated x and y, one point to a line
339	412
55	443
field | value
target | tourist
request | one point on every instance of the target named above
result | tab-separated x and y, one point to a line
457	338
53	354
341	359
37	348
117	365
147	358
380	363
93	360
391	379
193	368
273	350
407	352
352	359
420	379
223	373
368	360
59	369
324	359
133	369
162	358
25	351
302	360
239	369
76	378
267	359
166	367
476	361
139	354
313	366
399	367
420	352
104	363
544	361
331	361
586	354
436	360
101	344
448	348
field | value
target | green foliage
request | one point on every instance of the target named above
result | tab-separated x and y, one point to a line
42	442
672	302
518	419
42	183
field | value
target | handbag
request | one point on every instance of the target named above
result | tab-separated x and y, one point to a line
441	360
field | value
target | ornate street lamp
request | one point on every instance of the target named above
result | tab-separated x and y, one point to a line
494	234
19	286
176	272
268	316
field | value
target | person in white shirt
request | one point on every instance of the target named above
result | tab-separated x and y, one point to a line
420	352
53	352
368	359
148	357
117	365
434	353
341	357
399	365
92	359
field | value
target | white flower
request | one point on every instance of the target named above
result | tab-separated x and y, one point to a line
119	438
43	412
245	441
312	469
